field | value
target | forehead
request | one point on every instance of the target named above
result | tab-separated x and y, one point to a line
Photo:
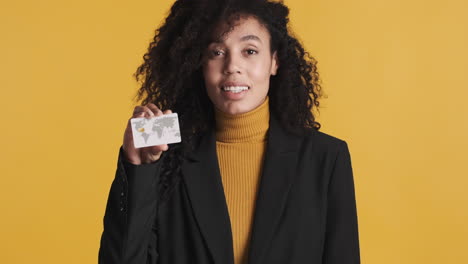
243	29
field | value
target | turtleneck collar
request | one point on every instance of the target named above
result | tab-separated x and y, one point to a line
251	126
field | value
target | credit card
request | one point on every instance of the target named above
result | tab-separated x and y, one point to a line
157	130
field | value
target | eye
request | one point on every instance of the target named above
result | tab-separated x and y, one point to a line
251	52
216	52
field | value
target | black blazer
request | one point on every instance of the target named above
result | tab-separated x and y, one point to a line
305	209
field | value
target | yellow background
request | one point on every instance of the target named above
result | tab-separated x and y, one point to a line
394	72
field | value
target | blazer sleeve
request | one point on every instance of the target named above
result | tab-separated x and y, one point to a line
341	236
129	234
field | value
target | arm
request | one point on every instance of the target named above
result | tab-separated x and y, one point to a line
129	234
341	236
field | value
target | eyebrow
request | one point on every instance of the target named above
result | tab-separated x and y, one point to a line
244	38
251	37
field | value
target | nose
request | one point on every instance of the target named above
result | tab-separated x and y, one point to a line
232	64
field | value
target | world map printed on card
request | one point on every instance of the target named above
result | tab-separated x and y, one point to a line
156	130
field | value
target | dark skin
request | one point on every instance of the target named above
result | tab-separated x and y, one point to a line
143	155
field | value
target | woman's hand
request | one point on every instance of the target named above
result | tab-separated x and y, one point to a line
143	155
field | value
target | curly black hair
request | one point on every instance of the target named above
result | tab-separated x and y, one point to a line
171	74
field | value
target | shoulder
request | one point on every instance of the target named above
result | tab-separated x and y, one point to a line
324	143
326	140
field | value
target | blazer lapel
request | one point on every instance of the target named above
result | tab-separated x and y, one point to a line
278	173
203	180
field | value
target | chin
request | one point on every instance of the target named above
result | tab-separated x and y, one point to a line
233	109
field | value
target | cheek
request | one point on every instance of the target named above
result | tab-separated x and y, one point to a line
210	73
260	72
210	79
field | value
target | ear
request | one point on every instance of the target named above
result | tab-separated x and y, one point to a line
274	64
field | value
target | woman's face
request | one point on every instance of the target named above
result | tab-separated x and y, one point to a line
237	68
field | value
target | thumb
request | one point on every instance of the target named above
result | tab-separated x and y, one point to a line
154	153
155	150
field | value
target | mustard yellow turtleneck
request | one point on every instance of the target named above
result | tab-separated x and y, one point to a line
240	146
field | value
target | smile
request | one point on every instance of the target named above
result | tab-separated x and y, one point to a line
235	89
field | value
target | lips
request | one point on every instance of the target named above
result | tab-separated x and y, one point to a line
234	84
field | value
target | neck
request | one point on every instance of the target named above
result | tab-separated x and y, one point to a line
251	126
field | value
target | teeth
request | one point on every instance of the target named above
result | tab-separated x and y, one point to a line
235	89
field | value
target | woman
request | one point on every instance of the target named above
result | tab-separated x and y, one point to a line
253	180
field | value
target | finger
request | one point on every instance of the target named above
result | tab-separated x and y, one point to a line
140	114
138	109
157	149
155	109
152	154
148	157
141	111
164	147
168	111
